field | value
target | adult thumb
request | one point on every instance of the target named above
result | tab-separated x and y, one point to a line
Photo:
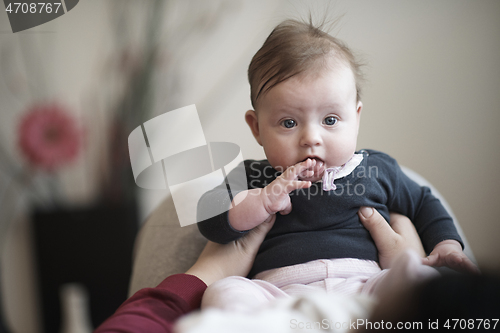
256	236
381	232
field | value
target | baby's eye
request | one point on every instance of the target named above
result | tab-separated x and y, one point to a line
288	123
330	121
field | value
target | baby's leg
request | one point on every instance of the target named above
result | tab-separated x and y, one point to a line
240	294
407	270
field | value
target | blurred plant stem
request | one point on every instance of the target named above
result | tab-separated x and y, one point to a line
133	109
171	30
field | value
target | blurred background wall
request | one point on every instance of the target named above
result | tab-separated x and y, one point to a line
431	100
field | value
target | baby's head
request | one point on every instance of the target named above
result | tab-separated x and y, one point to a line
305	90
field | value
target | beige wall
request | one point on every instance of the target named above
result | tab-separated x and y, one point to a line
431	101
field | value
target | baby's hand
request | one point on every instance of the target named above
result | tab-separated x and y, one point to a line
449	253
275	196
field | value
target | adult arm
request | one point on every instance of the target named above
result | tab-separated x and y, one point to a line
156	309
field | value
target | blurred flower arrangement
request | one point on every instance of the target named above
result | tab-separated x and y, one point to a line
48	138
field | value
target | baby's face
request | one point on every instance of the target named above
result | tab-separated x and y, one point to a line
309	116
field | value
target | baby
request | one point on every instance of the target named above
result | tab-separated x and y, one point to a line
305	89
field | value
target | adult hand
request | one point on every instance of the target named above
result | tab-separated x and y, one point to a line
218	261
391	240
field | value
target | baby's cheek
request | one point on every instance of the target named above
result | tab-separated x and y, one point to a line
343	151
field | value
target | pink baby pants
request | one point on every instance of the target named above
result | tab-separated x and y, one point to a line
339	276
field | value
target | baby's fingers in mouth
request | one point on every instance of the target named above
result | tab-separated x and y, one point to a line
307	173
308	165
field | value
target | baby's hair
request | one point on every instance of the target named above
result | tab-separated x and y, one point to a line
294	47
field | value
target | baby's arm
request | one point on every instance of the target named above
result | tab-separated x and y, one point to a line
261	204
433	223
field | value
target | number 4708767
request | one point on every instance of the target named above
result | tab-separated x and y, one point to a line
471	324
32	8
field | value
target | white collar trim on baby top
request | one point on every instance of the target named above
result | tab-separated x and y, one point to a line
339	172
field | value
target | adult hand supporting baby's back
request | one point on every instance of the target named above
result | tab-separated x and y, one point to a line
391	240
235	258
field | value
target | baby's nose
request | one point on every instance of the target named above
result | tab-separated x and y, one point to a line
310	137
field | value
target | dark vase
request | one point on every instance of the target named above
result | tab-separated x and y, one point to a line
92	246
3	327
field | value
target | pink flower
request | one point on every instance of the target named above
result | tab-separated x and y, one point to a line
48	136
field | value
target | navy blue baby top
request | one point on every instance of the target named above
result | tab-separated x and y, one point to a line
325	224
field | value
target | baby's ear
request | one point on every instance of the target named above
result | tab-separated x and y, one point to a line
359	107
253	123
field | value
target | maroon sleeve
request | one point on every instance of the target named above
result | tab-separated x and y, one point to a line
157	309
